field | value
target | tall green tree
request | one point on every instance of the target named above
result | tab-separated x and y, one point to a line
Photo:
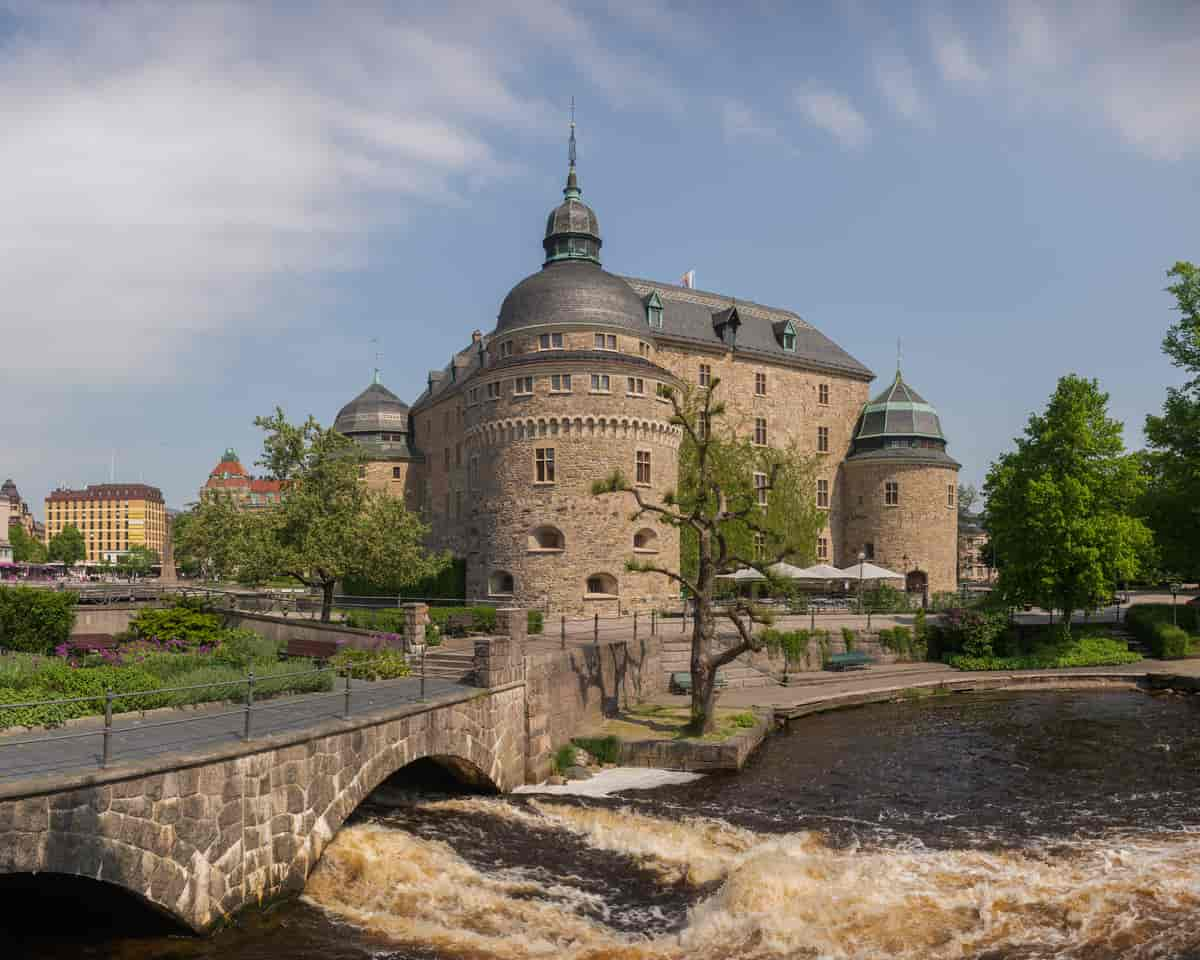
1060	507
138	561
67	546
24	547
327	526
738	505
1172	501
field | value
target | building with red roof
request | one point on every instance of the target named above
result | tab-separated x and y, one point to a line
229	477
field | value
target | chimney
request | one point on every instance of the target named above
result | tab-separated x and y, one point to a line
476	336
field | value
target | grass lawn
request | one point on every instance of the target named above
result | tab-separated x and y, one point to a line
658	722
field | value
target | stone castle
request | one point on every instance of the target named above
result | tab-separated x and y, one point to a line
500	452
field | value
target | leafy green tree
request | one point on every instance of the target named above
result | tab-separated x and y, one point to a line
968	499
724	526
327	526
139	561
25	548
67	546
1061	505
1172	502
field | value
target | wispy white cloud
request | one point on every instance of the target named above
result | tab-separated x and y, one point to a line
171	171
739	122
836	115
954	57
897	83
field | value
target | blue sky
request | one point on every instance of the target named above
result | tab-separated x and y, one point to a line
213	209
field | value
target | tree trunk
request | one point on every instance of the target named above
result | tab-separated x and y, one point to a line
704	675
327	600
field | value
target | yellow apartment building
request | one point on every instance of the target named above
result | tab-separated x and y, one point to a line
113	518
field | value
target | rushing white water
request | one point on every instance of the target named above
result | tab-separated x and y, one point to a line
606	782
770	896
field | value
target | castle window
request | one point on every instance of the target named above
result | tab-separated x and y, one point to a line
760	488
547	538
822	548
500	584
506	349
643	348
601	586
891	493
560	383
823	394
823	493
702	426
760	384
600	383
760	546
473	395
950	491
705	375
637	386
606	341
645	541
473	473
395	473
493	391
760	431
523	387
869	550
643	467
654	312
550	341
543	461
822	439
789	338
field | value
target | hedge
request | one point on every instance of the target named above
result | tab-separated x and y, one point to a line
1152	624
450	584
35	621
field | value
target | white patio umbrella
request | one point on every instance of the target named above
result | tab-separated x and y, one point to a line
788	572
868	571
742	576
823	571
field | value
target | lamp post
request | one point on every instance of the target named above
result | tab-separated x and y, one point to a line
861	560
1174	597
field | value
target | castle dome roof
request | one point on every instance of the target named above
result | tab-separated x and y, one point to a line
899	411
375	409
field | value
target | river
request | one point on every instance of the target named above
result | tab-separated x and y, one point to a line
995	826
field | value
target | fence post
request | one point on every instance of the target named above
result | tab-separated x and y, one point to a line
635	626
422	676
812	618
249	703
108	711
596	627
683	620
563	630
346	705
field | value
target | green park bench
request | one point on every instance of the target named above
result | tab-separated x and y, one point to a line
845	661
682	682
319	650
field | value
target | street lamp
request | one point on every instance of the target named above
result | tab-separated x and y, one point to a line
861	560
1174	597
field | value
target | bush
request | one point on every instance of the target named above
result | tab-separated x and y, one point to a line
483	619
35	621
883	598
383	664
1151	624
389	620
604	749
536	622
564	757
848	638
183	622
450	584
1169	642
792	644
241	648
902	642
969	632
1082	649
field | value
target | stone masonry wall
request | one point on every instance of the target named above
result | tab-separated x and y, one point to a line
923	526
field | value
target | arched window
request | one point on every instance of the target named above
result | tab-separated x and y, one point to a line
645	541
547	538
601	585
500	584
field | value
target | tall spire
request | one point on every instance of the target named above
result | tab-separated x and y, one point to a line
571	191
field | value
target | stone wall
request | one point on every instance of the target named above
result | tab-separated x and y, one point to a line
568	690
923	526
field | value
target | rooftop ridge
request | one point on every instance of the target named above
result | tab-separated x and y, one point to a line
720	300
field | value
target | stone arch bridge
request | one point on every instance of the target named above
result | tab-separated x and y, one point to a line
198	837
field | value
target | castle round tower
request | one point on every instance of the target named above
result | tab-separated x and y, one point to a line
899	491
566	394
377	420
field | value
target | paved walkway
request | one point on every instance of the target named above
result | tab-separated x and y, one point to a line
141	737
881	682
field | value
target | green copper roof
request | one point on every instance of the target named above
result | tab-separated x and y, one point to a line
899	411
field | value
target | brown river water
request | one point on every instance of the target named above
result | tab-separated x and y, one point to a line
994	826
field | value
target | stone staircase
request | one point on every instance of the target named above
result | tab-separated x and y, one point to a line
677	658
456	665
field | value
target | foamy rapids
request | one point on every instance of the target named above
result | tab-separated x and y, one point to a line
771	896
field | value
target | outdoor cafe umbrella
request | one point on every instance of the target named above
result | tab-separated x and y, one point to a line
742	576
868	571
822	571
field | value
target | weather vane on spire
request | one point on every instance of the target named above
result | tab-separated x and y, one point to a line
378	357
899	354
571	149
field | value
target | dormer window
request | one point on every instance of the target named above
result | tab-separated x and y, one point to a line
725	325
654	311
785	333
